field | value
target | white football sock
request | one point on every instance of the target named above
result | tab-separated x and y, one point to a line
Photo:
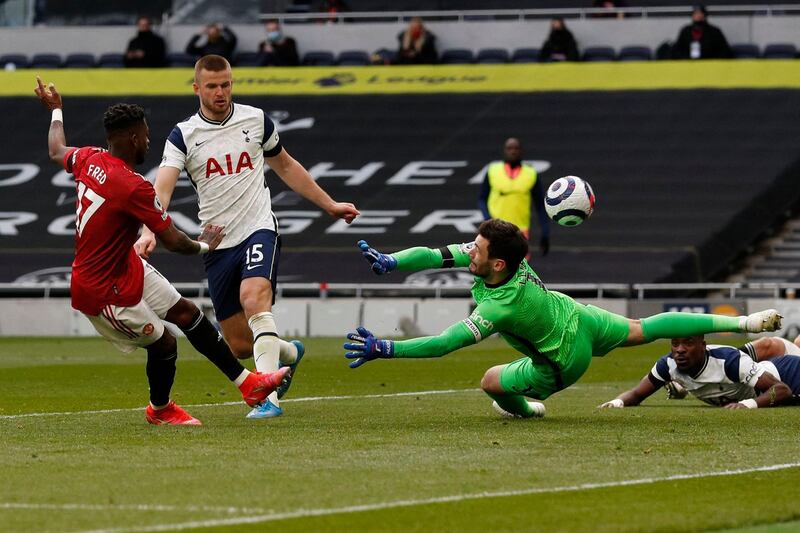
266	345
288	352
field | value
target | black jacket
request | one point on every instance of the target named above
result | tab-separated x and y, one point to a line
713	44
153	47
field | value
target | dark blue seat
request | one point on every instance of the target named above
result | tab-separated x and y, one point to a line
46	61
111	60
635	53
492	55
385	56
79	61
247	59
599	53
525	55
457	56
318	58
353	58
18	60
180	59
780	51
745	51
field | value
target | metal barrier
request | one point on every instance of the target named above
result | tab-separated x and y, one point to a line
477	15
360	290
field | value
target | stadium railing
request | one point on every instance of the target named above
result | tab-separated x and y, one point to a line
639	291
477	15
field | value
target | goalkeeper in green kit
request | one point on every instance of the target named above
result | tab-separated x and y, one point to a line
556	335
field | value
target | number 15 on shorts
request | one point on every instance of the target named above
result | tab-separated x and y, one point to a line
254	256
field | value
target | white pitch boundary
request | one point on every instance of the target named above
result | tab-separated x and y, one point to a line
220	404
308	513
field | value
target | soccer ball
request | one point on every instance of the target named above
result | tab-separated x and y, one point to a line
569	201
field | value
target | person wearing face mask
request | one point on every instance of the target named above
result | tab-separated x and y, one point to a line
560	44
701	40
277	50
417	45
146	50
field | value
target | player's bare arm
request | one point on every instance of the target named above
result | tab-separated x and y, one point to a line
635	396
774	393
56	138
177	241
299	180
166	181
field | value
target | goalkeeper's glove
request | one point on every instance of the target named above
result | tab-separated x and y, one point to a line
616	403
380	263
366	347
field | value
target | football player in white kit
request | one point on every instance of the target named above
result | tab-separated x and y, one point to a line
223	148
763	373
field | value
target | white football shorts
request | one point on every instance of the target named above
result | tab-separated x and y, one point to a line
129	328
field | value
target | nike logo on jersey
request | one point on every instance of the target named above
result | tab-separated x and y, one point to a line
251	267
201	142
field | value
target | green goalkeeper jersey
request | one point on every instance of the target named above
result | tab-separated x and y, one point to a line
535	321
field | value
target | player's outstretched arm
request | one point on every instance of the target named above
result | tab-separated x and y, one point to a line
635	396
56	138
775	393
177	241
166	180
297	177
416	258
367	347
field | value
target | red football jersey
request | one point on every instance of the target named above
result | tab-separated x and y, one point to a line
113	202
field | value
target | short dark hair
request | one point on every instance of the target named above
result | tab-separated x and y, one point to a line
506	241
121	117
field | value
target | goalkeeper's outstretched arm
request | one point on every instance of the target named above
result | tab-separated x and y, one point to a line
416	258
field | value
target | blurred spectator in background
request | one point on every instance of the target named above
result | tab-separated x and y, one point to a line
278	50
560	44
608	7
216	39
147	49
417	44
508	190
334	7
701	40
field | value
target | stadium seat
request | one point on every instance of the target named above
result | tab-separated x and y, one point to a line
525	55
635	53
111	60
780	51
599	53
46	61
492	55
79	61
353	58
179	59
318	58
385	56
457	56
18	60
247	59
745	51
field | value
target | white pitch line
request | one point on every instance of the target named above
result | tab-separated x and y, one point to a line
129	507
308	513
306	399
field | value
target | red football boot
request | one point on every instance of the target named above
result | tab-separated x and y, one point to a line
257	386
172	414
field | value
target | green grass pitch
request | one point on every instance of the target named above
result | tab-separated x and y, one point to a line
356	452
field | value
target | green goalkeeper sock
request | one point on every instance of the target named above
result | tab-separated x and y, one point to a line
516	405
675	325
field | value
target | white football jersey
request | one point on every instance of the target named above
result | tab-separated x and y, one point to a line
225	163
728	375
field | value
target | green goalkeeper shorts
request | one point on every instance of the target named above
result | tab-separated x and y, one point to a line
599	332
